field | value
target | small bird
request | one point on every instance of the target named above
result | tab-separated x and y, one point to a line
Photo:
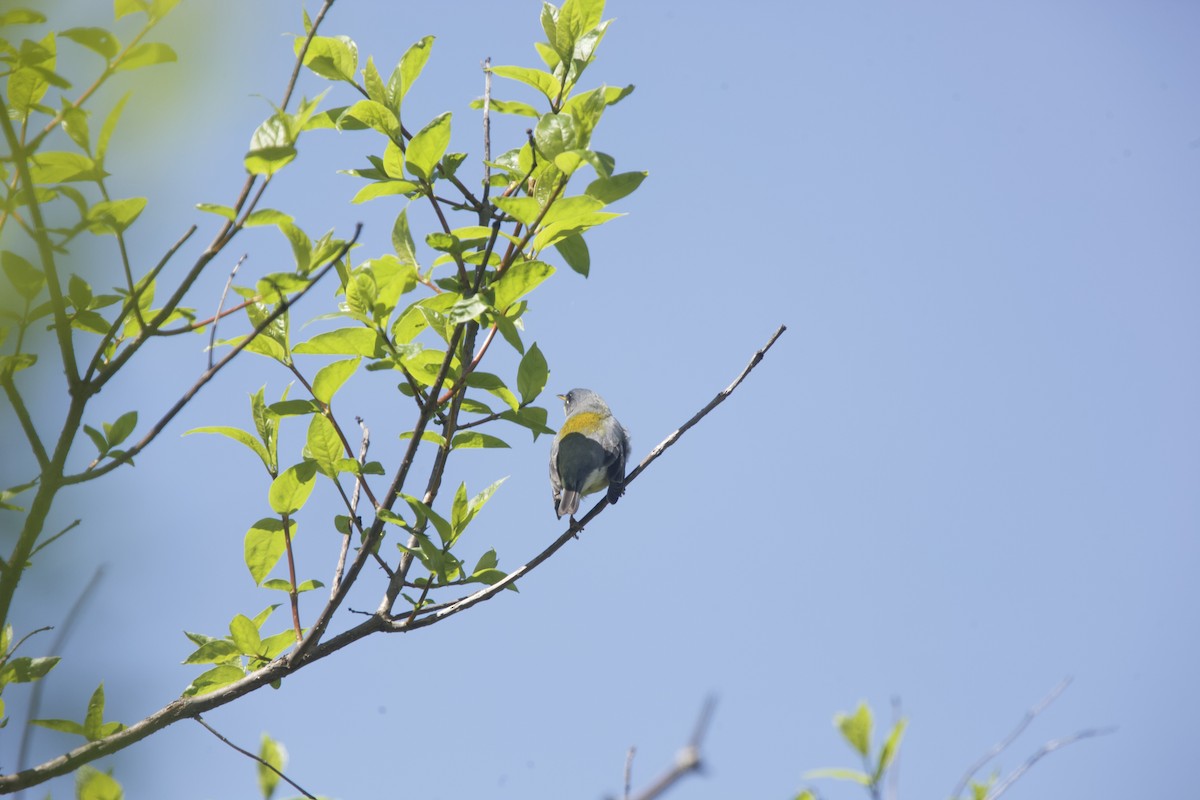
589	452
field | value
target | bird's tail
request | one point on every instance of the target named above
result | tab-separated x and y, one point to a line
568	503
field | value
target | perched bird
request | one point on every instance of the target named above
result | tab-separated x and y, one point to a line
589	452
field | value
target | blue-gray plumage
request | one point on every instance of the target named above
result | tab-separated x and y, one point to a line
589	452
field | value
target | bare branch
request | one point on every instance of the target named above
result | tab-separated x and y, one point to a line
250	755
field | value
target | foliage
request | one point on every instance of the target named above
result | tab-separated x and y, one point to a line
427	314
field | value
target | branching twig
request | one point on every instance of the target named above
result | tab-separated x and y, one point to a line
278	311
1002	745
1049	747
250	755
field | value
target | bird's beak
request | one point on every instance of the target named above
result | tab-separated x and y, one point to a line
562	397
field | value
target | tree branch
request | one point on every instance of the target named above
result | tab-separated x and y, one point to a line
573	530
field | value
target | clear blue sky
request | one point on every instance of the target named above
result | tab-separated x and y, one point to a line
967	471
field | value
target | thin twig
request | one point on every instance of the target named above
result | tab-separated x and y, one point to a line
1002	745
1045	750
463	603
362	459
487	138
212	336
56	647
44	543
250	755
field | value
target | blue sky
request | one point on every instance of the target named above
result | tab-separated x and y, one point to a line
968	470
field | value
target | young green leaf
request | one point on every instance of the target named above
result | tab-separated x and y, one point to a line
475	439
330	378
144	55
574	251
272	759
92	784
428	146
856	728
334	58
406	72
323	445
214	679
238	435
344	342
264	546
519	280
245	635
532	374
27	279
291	489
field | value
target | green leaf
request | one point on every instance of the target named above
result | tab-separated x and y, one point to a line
492	383
114	216
407	71
841	774
507	107
373	115
402	240
238	435
471	439
119	431
214	651
64	167
486	561
612	189
123	7
428	146
519	280
323	445
856	728
334	58
272	759
544	82
22	16
554	134
221	211
245	635
144	55
532	374
466	309
890	747
264	546
24	277
79	292
61	725
574	251
26	670
331	377
427	436
272	146
214	679
344	342
291	489
458	510
530	417
383	189
110	124
94	718
92	784
373	83
75	123
563	228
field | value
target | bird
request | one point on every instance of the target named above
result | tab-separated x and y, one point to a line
589	452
